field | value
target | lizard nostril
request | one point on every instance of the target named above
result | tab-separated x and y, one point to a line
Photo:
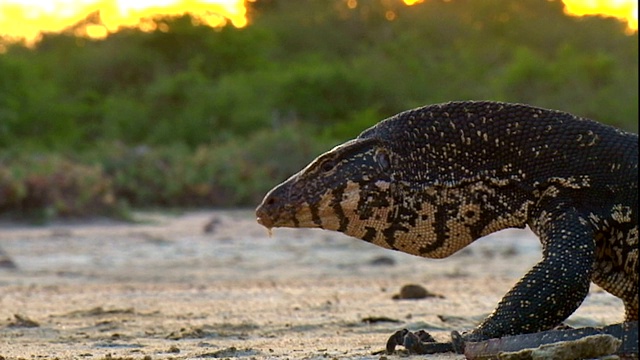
269	210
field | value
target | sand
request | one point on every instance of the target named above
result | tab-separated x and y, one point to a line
213	284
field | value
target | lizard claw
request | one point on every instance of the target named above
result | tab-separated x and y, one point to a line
457	342
420	342
396	339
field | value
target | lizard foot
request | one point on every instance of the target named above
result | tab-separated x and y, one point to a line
421	342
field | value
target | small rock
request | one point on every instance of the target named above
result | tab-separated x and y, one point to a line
211	225
382	261
7	263
588	347
23	322
377	319
413	291
510	251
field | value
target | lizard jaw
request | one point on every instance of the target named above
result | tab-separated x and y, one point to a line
278	209
271	215
275	211
264	219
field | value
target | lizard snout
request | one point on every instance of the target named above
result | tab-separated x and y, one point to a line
263	213
271	208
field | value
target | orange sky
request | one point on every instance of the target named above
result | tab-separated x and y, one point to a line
622	9
27	18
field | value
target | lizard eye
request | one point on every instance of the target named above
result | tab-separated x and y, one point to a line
327	166
382	158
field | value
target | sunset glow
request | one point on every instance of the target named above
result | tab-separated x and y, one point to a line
625	10
26	19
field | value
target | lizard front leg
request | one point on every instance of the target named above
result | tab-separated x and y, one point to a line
555	287
551	291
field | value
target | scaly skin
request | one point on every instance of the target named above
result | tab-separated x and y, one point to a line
430	181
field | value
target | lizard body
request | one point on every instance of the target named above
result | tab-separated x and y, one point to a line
431	180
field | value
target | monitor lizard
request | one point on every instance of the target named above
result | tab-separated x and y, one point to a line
431	180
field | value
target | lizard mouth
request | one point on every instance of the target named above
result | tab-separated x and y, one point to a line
271	216
264	218
283	206
264	221
275	210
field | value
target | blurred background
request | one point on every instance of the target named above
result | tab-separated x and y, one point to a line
107	106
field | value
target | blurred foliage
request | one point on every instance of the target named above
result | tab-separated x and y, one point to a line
109	178
45	186
187	115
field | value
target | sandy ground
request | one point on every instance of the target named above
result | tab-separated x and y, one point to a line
167	289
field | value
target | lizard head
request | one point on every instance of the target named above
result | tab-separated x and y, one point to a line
362	189
340	186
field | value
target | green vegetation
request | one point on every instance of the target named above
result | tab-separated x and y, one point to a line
195	116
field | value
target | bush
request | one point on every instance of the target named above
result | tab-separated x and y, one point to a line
323	92
114	176
245	169
45	186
